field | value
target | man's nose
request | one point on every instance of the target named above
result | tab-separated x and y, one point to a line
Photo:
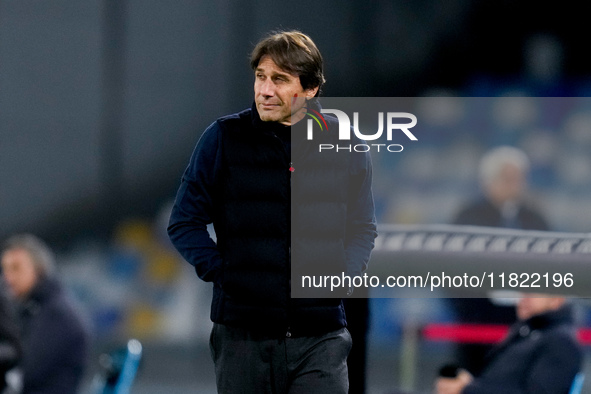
268	88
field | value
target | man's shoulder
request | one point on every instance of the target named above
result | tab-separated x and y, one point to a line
478	212
532	218
238	119
64	310
561	342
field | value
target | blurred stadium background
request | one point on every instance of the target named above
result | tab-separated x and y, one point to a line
101	103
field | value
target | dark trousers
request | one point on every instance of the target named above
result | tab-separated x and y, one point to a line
246	362
357	310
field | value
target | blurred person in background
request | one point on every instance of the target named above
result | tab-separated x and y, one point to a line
240	178
503	175
540	354
9	339
503	178
54	337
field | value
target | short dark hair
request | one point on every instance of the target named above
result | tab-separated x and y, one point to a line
294	52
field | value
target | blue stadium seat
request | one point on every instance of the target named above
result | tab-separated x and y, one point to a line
577	386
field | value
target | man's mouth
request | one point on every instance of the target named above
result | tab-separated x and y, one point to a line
269	105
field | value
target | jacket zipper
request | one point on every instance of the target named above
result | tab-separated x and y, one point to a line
291	170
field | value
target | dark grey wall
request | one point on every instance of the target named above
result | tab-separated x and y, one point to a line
49	107
50	103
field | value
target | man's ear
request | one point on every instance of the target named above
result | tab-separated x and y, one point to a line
310	93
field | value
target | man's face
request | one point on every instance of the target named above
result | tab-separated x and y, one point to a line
536	304
509	185
19	272
274	92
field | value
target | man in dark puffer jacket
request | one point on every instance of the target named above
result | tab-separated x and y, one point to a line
539	356
275	205
54	337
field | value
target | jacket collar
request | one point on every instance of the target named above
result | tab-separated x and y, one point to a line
551	319
41	292
259	124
